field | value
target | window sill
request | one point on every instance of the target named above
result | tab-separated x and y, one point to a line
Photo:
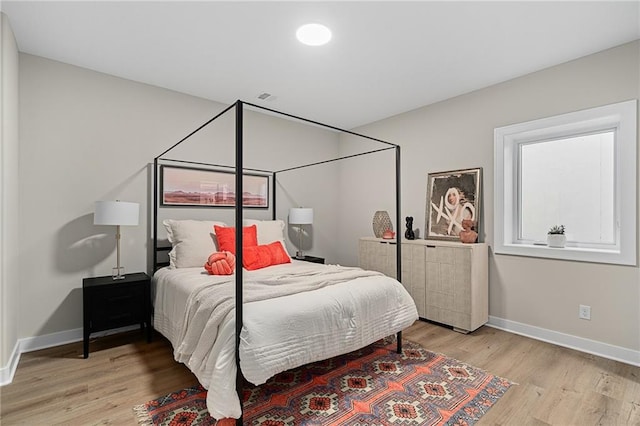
567	253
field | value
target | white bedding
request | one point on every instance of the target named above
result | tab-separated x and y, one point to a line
293	314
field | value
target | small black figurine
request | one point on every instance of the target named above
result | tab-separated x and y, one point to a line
409	234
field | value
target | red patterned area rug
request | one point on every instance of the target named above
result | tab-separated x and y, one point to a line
371	386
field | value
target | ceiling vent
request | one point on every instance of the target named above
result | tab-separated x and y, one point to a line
266	97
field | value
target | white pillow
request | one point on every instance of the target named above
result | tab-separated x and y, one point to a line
268	231
192	240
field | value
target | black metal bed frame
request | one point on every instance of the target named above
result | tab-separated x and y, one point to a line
239	168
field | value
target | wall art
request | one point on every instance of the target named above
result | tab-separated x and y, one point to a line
451	198
185	186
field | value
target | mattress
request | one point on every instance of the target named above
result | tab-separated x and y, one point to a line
293	314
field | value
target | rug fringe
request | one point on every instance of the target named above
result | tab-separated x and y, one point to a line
142	415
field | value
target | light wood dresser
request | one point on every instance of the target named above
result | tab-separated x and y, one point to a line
449	281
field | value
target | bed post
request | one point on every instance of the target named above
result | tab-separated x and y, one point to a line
273	197
238	216
155	216
398	234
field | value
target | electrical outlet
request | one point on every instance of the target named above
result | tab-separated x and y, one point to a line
584	312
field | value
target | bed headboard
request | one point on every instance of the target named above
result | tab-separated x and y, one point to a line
162	257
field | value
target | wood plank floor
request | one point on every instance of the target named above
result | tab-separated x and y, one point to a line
556	386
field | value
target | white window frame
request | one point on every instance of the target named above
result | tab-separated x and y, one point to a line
622	118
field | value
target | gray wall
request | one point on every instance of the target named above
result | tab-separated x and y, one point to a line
8	192
457	134
87	136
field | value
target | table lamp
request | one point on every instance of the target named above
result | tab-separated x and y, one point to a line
119	213
300	216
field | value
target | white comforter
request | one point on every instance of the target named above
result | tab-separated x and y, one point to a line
294	314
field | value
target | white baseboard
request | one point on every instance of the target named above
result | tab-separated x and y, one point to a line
7	372
29	344
605	350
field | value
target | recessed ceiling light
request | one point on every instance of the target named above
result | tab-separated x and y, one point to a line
313	34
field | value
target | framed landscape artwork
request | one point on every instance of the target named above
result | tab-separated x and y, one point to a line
452	197
184	186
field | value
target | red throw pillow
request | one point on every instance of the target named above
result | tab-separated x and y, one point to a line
257	257
262	256
226	236
220	263
278	253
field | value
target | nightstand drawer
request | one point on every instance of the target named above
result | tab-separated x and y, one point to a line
111	308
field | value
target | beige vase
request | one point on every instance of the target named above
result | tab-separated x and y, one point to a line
381	223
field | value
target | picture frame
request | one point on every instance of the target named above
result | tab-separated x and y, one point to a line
452	196
194	187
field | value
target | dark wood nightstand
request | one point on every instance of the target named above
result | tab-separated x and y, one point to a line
109	303
312	259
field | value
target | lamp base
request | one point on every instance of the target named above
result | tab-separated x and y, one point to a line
299	255
118	273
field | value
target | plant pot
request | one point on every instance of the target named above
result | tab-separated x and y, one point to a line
556	240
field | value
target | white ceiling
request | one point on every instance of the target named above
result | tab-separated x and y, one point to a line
385	58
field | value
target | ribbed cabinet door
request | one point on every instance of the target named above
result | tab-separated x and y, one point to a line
407	265
456	283
441	285
366	254
390	261
433	285
462	283
378	256
418	274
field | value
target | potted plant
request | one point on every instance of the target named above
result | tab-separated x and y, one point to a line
556	237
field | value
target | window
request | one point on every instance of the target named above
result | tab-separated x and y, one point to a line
576	170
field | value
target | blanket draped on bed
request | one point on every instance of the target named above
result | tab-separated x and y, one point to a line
203	336
210	304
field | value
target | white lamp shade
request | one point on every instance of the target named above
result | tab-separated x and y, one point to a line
301	216
116	213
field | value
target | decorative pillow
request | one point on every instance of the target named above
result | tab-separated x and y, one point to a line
264	255
220	263
192	241
269	231
278	254
257	257
227	237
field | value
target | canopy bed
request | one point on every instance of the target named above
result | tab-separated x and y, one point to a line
292	312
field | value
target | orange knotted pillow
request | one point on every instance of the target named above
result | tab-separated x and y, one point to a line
221	263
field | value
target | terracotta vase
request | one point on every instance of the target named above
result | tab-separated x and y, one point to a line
468	235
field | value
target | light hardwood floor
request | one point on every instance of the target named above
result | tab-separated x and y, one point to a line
556	386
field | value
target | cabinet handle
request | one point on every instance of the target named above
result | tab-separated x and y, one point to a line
431	246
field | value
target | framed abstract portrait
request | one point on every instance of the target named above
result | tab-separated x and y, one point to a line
452	197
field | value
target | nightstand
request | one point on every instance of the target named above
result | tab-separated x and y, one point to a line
312	259
109	304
